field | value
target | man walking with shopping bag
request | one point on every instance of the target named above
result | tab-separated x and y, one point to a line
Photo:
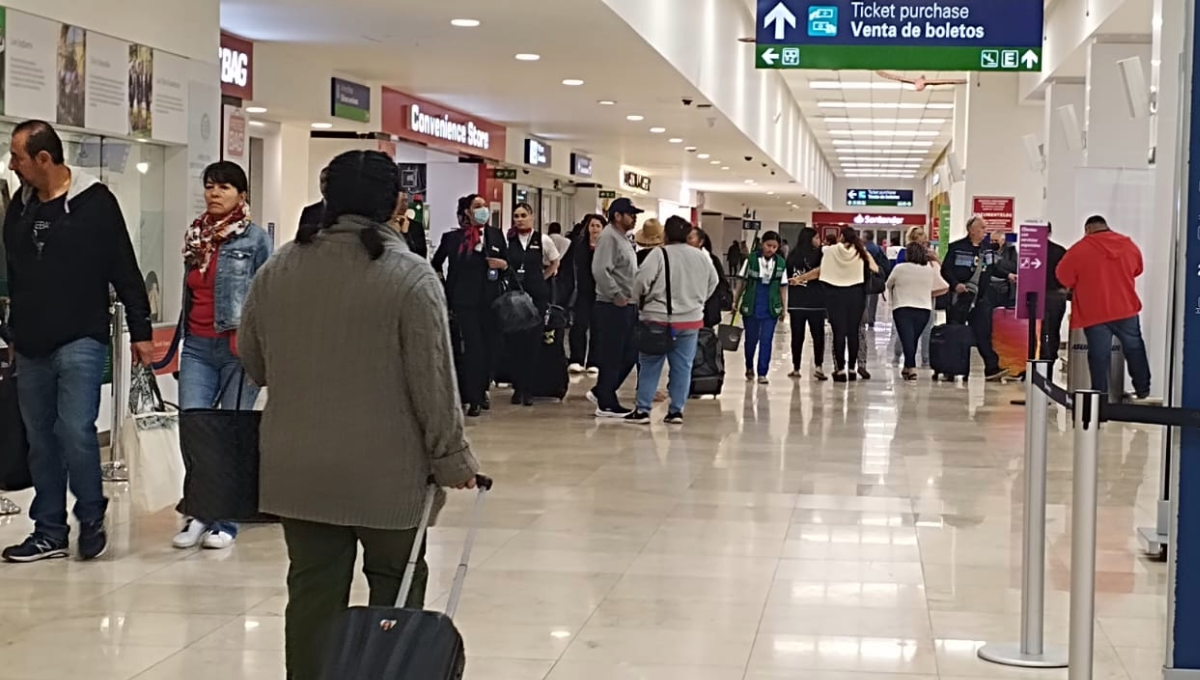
66	243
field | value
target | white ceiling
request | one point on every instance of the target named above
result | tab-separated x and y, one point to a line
413	47
881	122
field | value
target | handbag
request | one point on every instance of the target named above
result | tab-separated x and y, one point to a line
14	446
730	335
656	339
875	280
150	443
221	454
514	309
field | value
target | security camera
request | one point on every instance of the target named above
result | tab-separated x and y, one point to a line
749	158
688	101
764	165
772	173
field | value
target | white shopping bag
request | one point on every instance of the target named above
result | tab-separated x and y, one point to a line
150	446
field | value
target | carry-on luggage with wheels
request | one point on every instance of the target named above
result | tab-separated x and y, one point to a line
550	375
950	351
708	368
392	643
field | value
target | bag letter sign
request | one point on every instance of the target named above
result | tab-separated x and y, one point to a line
235	67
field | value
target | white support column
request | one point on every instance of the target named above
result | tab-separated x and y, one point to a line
1114	138
1063	155
287	159
960	208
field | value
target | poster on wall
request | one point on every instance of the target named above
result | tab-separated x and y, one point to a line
141	86
107	84
169	98
996	211
3	58
30	66
71	63
233	137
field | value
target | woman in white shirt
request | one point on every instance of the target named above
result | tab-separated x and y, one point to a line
911	288
843	272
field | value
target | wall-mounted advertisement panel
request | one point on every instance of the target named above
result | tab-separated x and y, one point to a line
169	98
141	86
107	84
31	66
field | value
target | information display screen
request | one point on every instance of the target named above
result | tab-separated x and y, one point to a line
879	198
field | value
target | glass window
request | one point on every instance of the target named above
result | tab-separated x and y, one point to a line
134	172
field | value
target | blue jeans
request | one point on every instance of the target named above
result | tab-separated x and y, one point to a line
1129	332
206	365
760	337
679	383
60	402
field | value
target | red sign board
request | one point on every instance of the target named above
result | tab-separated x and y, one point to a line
237	67
870	220
440	127
996	211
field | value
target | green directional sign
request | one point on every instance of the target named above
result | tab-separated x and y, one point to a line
897	58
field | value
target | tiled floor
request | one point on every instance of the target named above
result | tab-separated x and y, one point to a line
797	530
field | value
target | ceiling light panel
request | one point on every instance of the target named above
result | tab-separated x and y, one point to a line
881	142
853	85
883	105
527	57
875	152
884	133
884	121
572	82
464	23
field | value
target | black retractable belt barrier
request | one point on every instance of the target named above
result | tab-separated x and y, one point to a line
1056	393
1166	416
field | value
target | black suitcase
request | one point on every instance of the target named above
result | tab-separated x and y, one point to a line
392	643
950	351
14	447
550	375
708	368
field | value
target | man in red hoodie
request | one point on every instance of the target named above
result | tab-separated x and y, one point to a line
1101	270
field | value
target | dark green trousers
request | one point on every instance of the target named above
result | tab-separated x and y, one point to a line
321	568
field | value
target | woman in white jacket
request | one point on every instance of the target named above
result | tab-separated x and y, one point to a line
911	288
843	270
692	281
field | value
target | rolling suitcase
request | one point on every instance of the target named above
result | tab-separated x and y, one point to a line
550	376
950	351
392	643
708	368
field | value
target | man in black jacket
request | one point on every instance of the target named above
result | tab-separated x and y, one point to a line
968	270
66	244
1056	300
313	214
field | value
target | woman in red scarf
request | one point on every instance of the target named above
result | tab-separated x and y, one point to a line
223	250
477	256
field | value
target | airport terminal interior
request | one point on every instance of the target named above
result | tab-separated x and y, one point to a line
792	526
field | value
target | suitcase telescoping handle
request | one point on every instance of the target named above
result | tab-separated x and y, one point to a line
484	485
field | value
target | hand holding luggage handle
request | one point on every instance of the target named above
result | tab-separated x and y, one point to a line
484	485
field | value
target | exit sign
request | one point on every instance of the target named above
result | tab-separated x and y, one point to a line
604	193
505	173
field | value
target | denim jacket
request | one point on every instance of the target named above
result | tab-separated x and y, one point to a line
238	260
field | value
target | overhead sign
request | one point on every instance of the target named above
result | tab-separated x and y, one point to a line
1033	254
996	211
606	194
751	225
946	35
537	153
440	127
505	173
350	100
869	219
879	198
237	67
633	180
581	165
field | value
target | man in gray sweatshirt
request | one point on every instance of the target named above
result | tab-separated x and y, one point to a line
615	269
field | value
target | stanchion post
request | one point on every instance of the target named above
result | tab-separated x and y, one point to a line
1083	534
114	470
1031	651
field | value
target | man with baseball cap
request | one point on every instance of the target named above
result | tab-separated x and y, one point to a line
615	268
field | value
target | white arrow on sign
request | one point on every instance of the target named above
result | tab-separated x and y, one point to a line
782	17
769	56
1030	59
1031	263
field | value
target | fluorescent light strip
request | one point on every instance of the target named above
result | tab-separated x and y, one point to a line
884	121
881	159
894	175
882	105
884	133
879	142
854	85
902	166
912	152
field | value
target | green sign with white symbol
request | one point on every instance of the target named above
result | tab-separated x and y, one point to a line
921	35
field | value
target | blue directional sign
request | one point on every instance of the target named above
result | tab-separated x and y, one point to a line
943	35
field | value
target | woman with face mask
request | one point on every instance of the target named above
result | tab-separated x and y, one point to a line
533	259
475	257
223	250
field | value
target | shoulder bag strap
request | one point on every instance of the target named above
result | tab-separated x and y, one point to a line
667	271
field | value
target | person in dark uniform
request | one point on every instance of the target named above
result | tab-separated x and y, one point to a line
583	355
313	215
533	259
477	257
968	269
1056	300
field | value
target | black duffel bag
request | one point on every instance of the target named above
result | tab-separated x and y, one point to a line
221	454
14	446
515	310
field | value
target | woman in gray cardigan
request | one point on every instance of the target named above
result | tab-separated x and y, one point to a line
348	330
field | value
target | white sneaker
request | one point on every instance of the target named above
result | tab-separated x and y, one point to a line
593	372
576	369
591	396
217	540
193	532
